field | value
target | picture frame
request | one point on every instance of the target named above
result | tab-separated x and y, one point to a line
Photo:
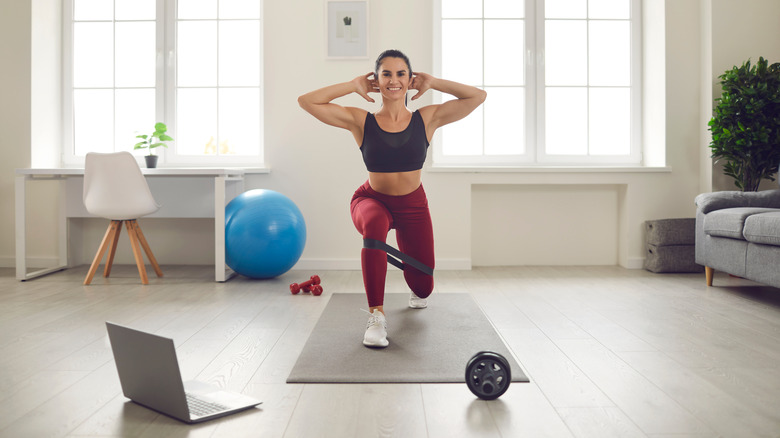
347	29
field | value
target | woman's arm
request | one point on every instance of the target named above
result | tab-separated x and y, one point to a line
436	116
318	103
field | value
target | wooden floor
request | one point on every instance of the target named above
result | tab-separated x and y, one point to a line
610	352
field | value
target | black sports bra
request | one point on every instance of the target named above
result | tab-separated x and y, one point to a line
394	151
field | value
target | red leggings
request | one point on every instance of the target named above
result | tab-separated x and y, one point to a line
374	214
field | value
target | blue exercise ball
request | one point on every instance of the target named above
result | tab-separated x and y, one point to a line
264	234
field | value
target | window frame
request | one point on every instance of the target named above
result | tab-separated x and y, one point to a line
165	94
534	85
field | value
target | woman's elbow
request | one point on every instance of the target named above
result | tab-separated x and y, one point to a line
481	96
306	104
302	102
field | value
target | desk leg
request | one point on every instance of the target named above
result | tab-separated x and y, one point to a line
222	273
64	236
21	228
20	196
219	229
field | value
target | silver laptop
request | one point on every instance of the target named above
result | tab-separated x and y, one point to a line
150	376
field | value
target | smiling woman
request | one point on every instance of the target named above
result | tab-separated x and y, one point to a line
394	143
393	57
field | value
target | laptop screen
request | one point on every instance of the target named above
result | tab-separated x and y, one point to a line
148	370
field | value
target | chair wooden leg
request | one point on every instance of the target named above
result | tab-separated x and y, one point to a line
709	273
147	249
99	256
112	250
139	261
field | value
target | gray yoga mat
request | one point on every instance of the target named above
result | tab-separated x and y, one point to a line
431	345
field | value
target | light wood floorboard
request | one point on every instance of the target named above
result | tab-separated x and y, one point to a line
610	353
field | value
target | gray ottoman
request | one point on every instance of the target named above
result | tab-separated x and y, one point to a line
671	246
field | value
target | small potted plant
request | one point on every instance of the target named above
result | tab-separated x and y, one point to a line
155	140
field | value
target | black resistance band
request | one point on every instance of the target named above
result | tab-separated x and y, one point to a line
397	258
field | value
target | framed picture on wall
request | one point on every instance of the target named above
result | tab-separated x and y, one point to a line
347	27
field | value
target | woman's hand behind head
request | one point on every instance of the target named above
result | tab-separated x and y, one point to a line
420	82
366	84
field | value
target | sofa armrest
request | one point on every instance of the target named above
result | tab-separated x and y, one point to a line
707	202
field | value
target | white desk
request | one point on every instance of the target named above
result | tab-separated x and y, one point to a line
183	193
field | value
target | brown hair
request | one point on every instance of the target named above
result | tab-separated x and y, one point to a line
392	53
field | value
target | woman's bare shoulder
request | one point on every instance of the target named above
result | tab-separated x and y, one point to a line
359	114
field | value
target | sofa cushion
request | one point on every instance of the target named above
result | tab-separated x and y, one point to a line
730	222
707	202
763	228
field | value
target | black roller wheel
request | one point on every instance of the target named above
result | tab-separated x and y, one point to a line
488	375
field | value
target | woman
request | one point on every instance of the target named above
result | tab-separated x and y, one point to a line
394	143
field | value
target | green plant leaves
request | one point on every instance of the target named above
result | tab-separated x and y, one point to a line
159	133
746	123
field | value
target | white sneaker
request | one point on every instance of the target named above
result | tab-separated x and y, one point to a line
376	330
416	302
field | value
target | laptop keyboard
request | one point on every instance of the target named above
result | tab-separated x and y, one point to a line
202	408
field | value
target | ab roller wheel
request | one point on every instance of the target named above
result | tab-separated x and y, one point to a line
488	375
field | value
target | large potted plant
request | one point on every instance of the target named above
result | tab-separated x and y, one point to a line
746	124
152	141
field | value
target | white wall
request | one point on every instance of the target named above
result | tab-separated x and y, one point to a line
14	111
551	235
319	167
706	96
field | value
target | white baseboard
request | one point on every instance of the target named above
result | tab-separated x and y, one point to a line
635	263
354	264
309	264
32	262
327	265
453	264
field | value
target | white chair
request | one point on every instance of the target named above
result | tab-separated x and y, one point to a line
115	188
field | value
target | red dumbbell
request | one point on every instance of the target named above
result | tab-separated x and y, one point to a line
310	285
313	288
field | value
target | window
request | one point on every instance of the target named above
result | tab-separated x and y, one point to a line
194	64
562	76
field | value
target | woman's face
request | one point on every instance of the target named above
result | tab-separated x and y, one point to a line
393	79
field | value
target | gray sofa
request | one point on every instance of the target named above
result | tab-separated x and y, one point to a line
739	233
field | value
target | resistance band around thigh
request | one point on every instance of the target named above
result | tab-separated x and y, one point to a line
397	258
